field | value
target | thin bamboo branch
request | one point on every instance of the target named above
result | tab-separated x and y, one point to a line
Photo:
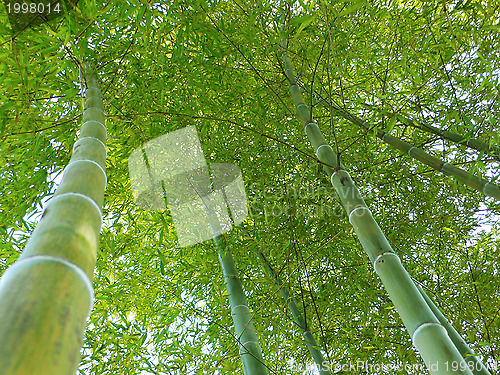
450	136
298	317
428	335
482	185
47	294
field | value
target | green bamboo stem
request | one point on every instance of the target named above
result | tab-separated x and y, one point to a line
446	134
249	348
473	143
467	353
47	294
428	335
451	136
250	351
477	183
298	317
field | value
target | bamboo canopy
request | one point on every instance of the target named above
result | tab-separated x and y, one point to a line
216	66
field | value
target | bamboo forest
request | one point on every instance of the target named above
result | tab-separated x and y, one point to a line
249	187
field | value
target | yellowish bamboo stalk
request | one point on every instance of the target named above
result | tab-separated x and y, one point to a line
46	296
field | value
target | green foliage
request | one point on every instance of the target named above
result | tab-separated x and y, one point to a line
161	309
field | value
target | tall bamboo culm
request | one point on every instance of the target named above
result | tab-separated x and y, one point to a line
477	183
478	368
250	351
46	296
428	335
298	317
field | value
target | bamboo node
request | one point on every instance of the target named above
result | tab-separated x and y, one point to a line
378	258
335	171
425	325
249	341
94	121
446	167
93	162
97	139
91	108
239	306
491	190
319	147
302	104
79	195
77	270
340	169
309	123
286	70
409	151
355	211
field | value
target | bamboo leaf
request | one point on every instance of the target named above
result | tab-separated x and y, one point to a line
352	8
391	122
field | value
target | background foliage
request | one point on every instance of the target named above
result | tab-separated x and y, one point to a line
162	309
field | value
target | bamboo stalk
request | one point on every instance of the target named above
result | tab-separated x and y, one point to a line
250	351
451	136
477	183
249	348
298	317
467	353
47	294
428	335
